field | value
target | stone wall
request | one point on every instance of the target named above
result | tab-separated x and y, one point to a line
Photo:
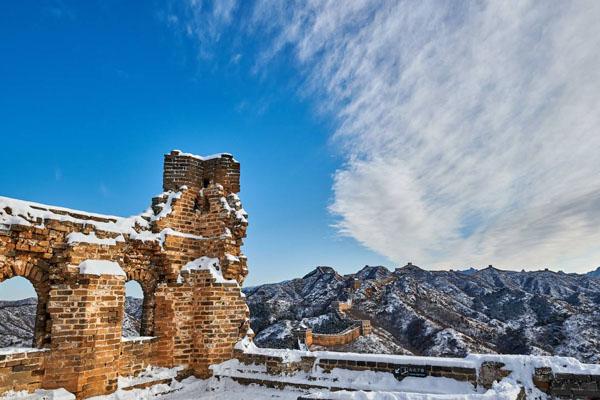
347	336
567	385
22	370
195	310
481	371
136	355
277	365
354	331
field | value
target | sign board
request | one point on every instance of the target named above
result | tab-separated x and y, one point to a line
410	370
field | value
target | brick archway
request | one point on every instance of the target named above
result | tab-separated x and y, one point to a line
39	278
148	282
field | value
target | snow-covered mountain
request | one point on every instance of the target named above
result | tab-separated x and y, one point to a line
17	319
438	313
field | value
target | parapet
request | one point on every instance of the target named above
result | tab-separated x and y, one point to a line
185	169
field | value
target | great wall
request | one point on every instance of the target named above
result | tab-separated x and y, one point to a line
185	251
78	263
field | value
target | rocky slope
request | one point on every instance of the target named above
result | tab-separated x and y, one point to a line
17	319
439	313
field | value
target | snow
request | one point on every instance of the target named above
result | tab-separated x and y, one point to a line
558	364
208	264
141	394
19	212
169	231
100	267
167	207
78	237
227	389
23	212
151	373
201	158
40	394
347	379
19	350
526	363
210	389
137	338
231	257
246	345
240	214
503	391
355	385
144	236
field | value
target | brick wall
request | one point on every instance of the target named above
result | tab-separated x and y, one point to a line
22	371
348	335
220	320
276	365
181	169
136	355
482	373
86	335
196	317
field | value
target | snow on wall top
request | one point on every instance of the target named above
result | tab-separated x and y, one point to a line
209	264
100	267
78	237
14	211
27	213
201	158
518	363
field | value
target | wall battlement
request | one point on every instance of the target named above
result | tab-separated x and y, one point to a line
198	172
185	251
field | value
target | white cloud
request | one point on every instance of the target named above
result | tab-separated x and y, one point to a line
201	20
472	130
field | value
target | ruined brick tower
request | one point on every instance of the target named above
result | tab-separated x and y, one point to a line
185	251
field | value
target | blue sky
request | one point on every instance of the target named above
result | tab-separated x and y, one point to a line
94	93
448	133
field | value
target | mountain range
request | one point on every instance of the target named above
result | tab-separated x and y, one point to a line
438	313
412	311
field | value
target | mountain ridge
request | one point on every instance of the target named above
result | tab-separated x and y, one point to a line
439	313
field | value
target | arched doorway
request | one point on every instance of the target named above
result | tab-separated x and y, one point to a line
139	309
19	314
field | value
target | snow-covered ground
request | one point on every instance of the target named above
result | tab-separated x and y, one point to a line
227	389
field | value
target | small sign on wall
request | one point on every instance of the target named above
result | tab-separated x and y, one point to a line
410	370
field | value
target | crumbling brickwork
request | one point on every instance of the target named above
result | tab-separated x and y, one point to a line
194	309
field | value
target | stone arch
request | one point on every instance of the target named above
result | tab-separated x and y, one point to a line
39	278
147	281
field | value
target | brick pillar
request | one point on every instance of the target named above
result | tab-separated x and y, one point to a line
173	324
220	315
41	336
86	334
147	323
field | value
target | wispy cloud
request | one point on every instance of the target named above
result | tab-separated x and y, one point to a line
201	20
471	129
